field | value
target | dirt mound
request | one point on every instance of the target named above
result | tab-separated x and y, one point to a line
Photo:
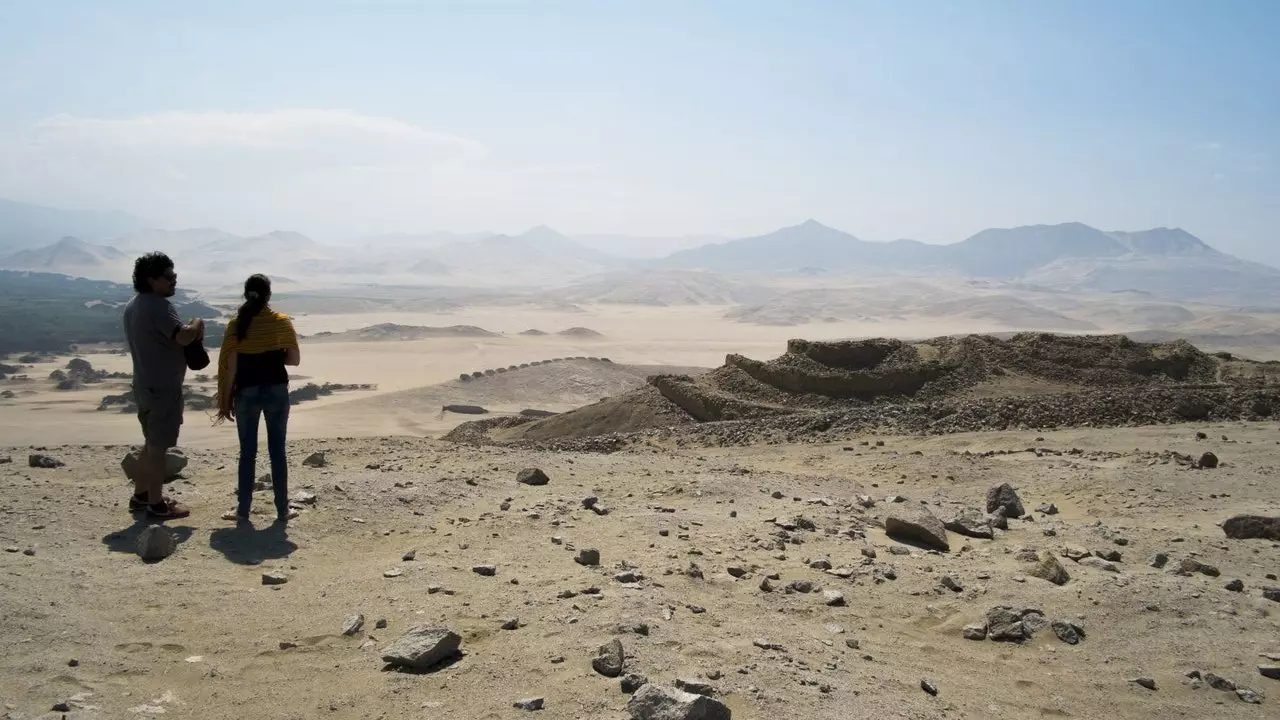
580	333
387	332
942	385
640	409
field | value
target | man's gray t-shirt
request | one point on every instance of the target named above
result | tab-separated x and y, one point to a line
150	324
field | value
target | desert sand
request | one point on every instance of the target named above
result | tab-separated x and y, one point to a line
761	572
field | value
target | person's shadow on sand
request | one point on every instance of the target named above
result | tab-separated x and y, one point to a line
245	544
126	540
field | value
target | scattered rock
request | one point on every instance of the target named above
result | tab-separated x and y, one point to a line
1249	696
1208	461
274	577
628	576
1271	593
1159	560
914	523
529	703
609	658
970	523
532	476
1252	527
353	625
45	462
656	702
1191	566
766	585
511	624
833	598
1235	585
1217	682
1046	567
632	682
1099	563
485	570
156	543
1109	554
975	631
1269	671
801	586
1146	682
409	556
422	647
62	707
736	571
1004	624
302	497
316	460
589	557
1068	632
1004	497
1047	509
697	687
951	584
929	687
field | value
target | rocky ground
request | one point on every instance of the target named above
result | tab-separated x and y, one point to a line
761	575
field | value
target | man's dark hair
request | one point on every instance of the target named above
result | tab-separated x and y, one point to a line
151	265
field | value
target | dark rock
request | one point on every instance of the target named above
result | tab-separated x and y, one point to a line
929	687
1068	632
609	658
1159	560
316	460
532	476
913	523
1112	555
970	523
156	543
1004	497
1047	509
1004	624
656	702
1208	461
1252	527
422	647
530	704
1146	682
975	631
44	462
274	577
801	586
1269	671
589	557
952	584
1271	593
485	570
632	682
1235	585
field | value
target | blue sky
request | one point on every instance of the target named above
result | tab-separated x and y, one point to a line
929	120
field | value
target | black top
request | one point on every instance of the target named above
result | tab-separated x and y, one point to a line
261	369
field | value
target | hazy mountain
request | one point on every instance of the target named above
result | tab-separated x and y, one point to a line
23	225
174	243
645	247
537	255
1163	262
1009	253
69	255
418	240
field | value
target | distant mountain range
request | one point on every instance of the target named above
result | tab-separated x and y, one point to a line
23	225
1165	263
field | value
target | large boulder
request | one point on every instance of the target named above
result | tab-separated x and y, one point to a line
532	476
1004	497
913	523
659	702
1251	527
422	647
174	463
971	523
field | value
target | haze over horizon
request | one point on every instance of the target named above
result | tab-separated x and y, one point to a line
930	122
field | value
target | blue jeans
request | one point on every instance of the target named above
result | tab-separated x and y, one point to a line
252	403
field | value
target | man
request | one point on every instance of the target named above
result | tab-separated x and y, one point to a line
156	336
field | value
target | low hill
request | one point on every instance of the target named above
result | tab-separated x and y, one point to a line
580	333
661	288
943	384
390	332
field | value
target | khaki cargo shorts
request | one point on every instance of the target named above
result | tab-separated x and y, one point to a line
160	413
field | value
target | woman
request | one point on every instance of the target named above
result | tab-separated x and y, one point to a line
252	383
